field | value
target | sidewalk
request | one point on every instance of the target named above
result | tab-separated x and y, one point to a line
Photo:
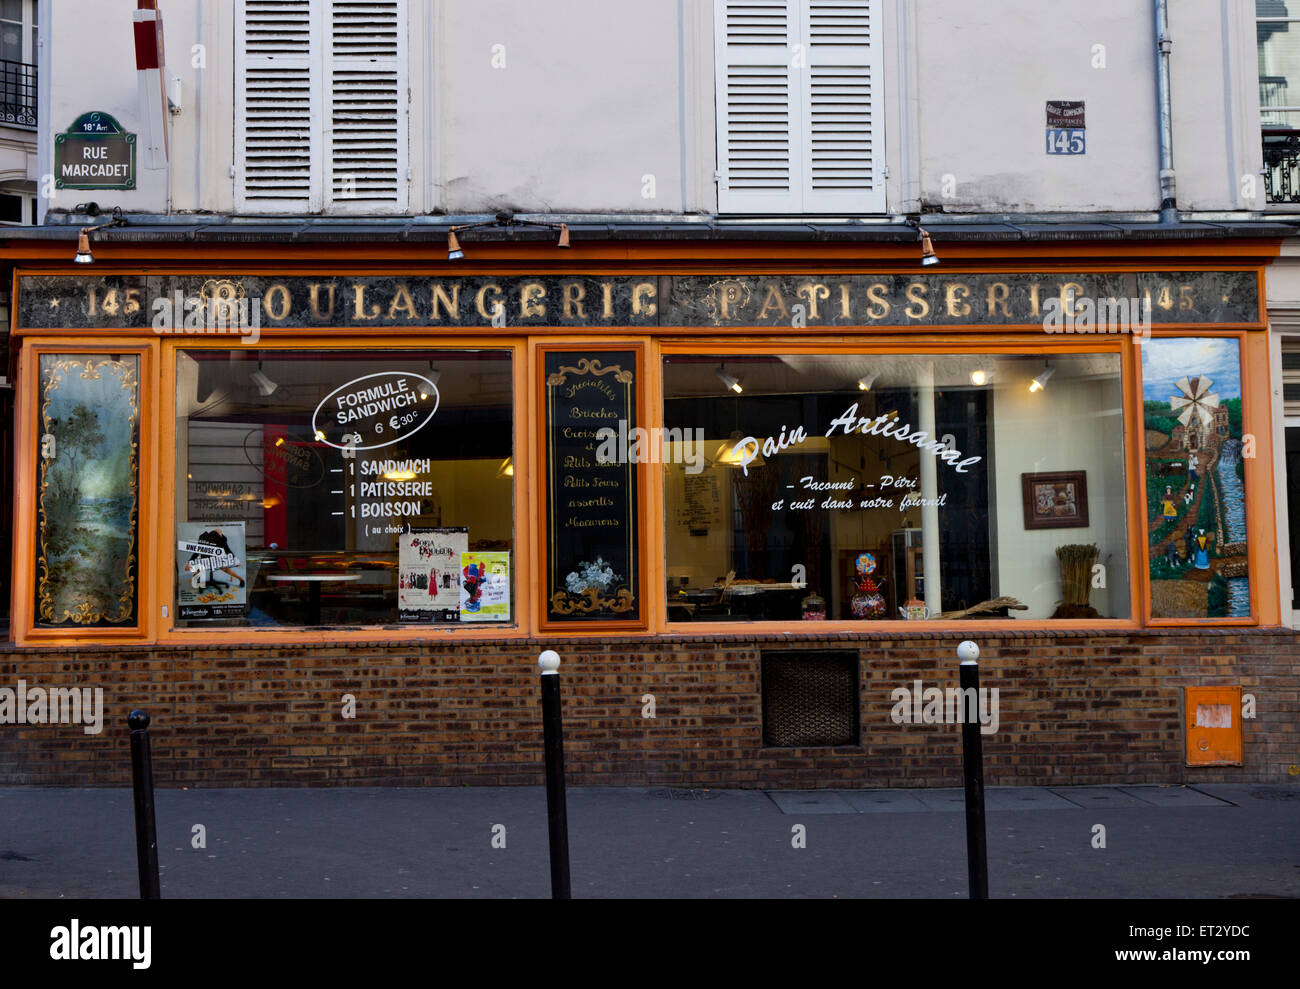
1202	842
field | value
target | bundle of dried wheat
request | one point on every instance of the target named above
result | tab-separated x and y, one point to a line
993	604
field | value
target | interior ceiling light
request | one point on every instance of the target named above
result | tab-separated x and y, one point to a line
928	257
979	377
865	383
733	384
507	468
729	453
265	386
1040	382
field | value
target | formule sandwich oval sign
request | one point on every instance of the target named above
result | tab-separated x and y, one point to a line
375	410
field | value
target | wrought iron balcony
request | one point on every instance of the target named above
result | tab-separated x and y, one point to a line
17	93
1282	166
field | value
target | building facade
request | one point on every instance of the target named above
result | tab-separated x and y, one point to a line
750	355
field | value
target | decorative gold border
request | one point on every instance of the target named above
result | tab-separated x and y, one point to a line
90	370
565	603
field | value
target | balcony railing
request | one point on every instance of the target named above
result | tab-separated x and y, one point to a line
17	93
1282	166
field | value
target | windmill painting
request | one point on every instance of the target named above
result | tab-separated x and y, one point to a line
1195	478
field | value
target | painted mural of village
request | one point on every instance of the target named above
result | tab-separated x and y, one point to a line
1195	480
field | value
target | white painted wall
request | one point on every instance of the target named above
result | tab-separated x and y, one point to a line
597	94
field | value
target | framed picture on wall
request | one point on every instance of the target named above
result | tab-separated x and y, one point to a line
1056	501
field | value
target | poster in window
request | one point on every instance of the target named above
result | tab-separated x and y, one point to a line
591	476
429	574
87	506
212	570
1195	477
485	587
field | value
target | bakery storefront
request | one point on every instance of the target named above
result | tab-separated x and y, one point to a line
319	515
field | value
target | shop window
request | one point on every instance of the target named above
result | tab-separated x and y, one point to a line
344	488
321	106
87	491
863	487
798	115
810	699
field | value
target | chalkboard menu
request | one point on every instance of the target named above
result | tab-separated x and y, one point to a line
591	504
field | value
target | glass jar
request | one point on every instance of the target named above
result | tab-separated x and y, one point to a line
814	608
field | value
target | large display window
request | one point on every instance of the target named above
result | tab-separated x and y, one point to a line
344	488
868	487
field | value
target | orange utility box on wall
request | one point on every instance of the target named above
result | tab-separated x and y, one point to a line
1213	725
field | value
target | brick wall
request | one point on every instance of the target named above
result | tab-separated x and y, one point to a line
1075	707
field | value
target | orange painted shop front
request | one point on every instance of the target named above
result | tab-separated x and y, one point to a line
319	508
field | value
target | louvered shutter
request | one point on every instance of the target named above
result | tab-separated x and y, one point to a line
278	138
757	107
842	76
798	92
366	113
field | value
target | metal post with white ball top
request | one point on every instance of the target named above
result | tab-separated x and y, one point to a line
972	764
553	745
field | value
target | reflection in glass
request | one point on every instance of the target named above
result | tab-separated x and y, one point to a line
894	487
321	461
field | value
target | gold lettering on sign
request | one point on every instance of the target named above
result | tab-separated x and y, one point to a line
402	302
607	300
642	291
844	301
1033	299
315	302
574	293
773	300
879	307
954	296
442	302
998	293
480	295
359	304
530	297
916	296
813	293
1069	292
286	304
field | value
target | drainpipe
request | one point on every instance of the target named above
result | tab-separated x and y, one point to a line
1168	190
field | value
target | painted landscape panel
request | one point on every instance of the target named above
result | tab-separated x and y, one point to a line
1195	478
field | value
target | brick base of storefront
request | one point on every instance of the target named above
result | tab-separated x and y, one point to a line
1075	708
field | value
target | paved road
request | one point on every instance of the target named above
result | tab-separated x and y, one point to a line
1208	841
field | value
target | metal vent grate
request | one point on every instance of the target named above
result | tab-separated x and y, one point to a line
810	699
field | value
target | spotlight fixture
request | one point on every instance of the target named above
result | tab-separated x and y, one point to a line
1040	382
733	384
507	468
979	377
84	256
503	219
265	386
928	257
865	383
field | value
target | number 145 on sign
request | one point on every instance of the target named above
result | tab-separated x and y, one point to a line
1065	142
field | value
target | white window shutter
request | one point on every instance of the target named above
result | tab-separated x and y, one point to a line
840	96
278	145
366	106
759	163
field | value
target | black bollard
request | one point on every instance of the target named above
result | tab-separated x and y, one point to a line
557	818
146	834
972	764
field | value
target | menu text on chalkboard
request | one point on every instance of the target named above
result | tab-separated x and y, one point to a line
591	524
